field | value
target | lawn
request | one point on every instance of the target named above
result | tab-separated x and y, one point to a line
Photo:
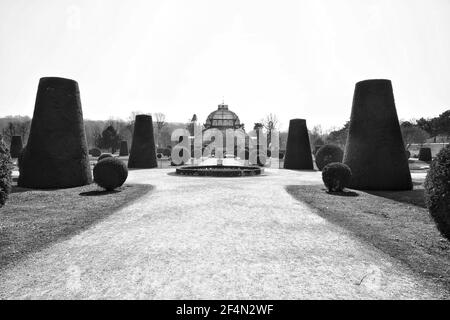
397	223
34	219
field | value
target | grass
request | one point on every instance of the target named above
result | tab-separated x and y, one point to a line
34	219
397	223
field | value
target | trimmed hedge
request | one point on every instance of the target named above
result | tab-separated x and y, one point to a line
56	155
123	148
327	154
95	152
16	146
437	191
5	173
375	151
110	173
104	156
317	148
166	152
336	176
142	153
298	149
425	154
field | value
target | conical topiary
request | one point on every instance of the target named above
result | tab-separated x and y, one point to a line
298	150
424	154
123	148
16	146
142	153
374	150
56	155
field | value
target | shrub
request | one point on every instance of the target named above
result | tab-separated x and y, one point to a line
317	148
437	191
298	149
327	154
166	152
20	158
95	152
425	154
57	154
104	156
336	176
142	153
16	146
408	154
5	173
123	148
110	173
374	150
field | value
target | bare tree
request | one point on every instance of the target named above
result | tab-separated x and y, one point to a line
23	129
160	122
270	123
412	133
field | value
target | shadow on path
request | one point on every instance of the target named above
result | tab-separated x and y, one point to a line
404	232
32	220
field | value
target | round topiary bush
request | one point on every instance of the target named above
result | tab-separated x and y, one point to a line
95	152
110	173
327	154
336	176
5	173
317	148
104	155
437	191
425	154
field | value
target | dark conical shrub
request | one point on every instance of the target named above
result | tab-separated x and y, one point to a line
425	154
123	148
142	154
16	146
374	150
298	150
56	155
110	173
327	154
336	176
437	191
5	173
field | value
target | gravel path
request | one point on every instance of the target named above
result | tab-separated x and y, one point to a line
209	238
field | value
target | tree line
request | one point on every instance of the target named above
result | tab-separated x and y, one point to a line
107	134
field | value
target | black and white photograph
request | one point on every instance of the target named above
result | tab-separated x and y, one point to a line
224	155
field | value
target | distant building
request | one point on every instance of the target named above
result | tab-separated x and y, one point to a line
223	119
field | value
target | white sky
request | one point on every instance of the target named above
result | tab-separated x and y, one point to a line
298	59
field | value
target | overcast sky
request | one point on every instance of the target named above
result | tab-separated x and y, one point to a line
298	59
